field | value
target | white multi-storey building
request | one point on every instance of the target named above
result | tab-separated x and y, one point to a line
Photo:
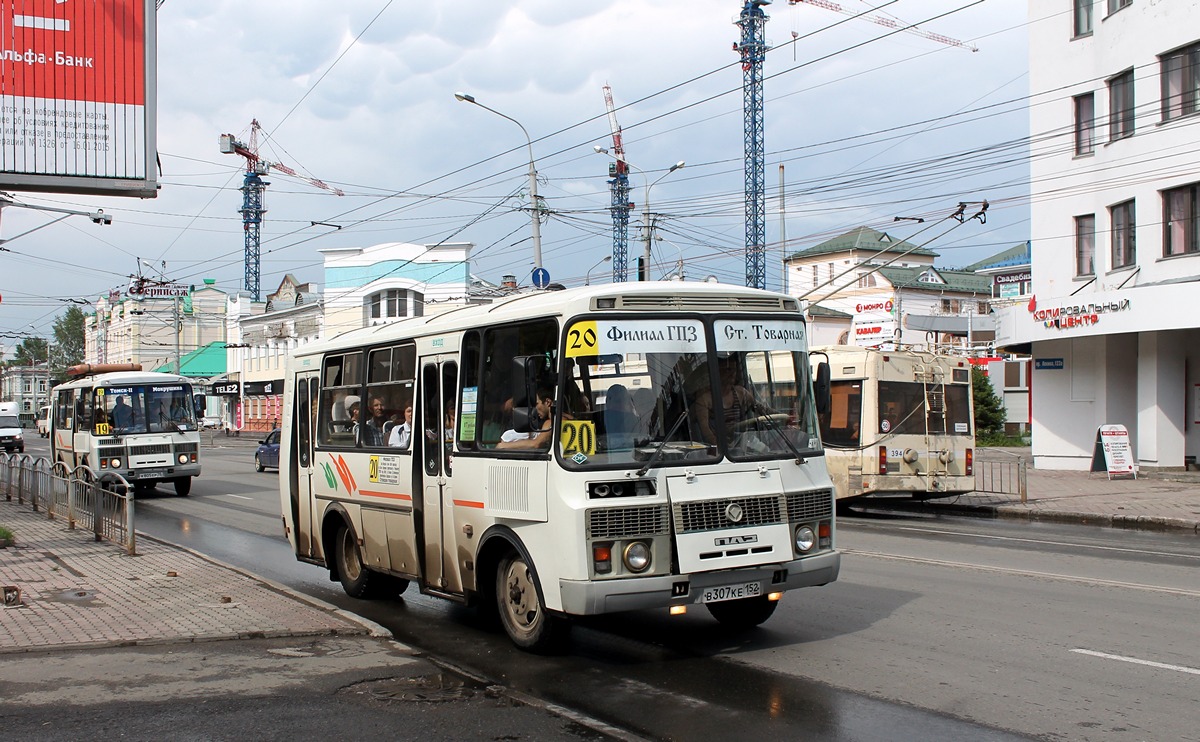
1112	324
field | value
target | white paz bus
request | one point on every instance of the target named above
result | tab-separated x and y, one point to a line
566	453
900	422
117	419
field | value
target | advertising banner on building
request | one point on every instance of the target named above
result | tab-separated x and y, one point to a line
77	96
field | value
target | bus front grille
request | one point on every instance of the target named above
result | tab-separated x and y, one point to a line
712	515
187	448
154	449
815	505
615	523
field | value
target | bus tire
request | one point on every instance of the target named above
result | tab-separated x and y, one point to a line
743	614
183	485
358	581
526	621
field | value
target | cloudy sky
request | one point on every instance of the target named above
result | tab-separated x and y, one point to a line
866	123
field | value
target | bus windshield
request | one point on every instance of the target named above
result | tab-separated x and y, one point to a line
654	392
156	408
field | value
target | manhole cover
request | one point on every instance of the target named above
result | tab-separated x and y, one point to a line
436	688
83	597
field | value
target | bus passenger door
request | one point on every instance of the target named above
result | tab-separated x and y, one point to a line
439	379
300	461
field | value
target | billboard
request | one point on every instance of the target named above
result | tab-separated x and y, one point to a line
77	96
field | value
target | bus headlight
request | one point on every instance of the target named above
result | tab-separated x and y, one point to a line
805	539
637	556
183	458
114	463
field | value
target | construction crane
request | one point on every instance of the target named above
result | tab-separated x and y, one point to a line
619	188
753	51
252	190
886	22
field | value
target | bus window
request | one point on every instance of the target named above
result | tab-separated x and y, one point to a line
341	401
389	393
841	425
497	396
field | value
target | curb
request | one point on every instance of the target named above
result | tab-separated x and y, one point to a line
1016	512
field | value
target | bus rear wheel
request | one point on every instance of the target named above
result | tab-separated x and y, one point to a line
743	614
522	614
183	485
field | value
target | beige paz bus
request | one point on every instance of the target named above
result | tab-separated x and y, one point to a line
566	453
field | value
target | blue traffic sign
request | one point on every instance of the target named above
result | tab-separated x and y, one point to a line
541	277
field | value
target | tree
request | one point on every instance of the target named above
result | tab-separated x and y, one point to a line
989	408
30	352
69	341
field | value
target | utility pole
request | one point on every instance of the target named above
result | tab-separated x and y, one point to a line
177	330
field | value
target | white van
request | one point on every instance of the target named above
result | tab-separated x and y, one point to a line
11	437
43	422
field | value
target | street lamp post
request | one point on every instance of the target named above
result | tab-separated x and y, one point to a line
533	194
602	261
649	219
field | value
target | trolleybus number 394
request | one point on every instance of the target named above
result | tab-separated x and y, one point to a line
732	592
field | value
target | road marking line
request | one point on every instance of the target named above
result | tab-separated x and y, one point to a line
1027	573
1136	661
240	497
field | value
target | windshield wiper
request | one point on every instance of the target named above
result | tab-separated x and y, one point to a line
662	444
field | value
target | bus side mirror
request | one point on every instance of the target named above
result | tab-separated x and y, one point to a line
822	388
199	405
525	373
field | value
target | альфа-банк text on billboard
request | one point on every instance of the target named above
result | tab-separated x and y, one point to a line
77	96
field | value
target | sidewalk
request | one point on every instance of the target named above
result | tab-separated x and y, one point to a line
224	649
77	593
1162	503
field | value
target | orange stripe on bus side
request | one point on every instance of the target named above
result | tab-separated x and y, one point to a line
468	504
389	495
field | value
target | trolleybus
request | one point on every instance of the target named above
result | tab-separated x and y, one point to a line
900	422
118	419
566	453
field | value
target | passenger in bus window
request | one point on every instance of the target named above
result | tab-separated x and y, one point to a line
179	411
620	420
352	408
539	438
401	436
373	434
122	413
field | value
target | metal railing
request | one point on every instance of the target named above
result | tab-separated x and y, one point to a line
102	505
1006	476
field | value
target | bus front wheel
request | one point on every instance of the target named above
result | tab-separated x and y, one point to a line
742	614
525	619
183	485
